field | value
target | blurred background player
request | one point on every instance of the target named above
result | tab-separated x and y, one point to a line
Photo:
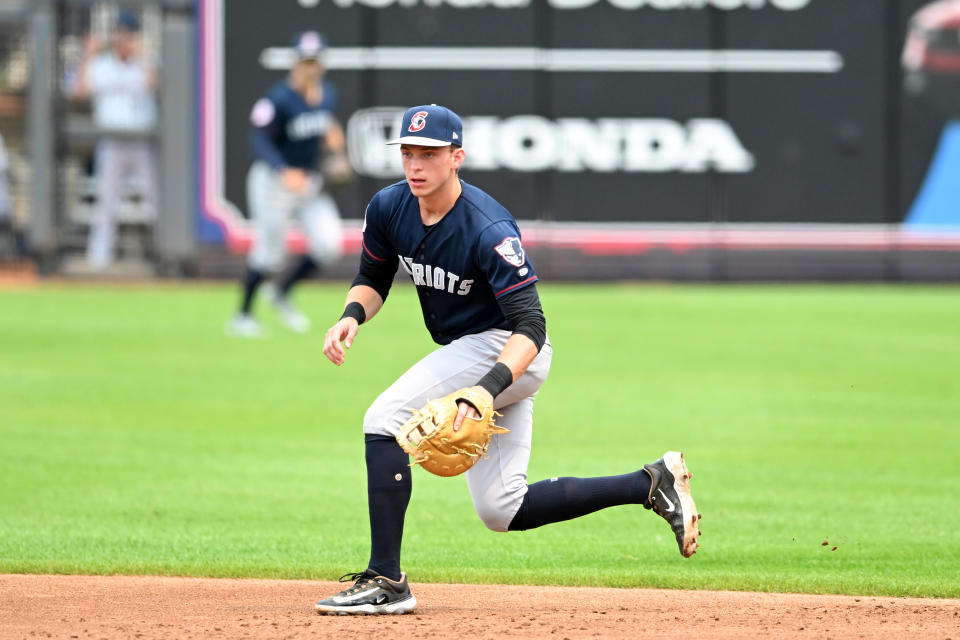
121	84
284	183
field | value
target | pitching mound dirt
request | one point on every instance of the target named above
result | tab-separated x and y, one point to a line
157	607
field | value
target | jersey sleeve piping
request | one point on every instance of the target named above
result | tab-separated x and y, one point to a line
515	286
370	253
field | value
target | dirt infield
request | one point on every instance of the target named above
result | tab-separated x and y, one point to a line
148	607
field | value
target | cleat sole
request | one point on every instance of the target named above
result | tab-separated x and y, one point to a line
394	608
681	484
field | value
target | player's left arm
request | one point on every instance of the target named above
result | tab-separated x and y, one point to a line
524	315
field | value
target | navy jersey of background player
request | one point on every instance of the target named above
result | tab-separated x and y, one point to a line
287	130
460	265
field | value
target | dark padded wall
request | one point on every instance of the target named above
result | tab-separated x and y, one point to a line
843	147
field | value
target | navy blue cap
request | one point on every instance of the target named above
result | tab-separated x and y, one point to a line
430	126
309	45
128	21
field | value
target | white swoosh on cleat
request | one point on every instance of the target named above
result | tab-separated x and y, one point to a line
669	502
356	596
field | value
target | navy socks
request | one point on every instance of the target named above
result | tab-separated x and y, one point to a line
561	499
253	277
388	494
251	280
303	268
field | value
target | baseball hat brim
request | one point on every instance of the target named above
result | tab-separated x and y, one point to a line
423	142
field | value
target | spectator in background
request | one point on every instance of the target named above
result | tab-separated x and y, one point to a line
121	84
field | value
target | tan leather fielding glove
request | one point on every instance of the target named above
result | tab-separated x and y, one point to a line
430	439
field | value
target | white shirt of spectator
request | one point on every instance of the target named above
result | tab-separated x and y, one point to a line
122	98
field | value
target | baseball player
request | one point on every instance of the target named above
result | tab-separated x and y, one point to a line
284	183
477	290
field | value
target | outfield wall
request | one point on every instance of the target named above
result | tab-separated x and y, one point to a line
703	139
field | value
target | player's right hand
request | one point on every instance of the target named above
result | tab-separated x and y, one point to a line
343	332
294	179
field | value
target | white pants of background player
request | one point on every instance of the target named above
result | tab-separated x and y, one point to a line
498	481
274	208
116	162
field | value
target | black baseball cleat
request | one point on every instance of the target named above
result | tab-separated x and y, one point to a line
370	594
670	498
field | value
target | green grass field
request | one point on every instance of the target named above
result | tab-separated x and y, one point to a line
135	437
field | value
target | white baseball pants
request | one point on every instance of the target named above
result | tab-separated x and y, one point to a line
273	208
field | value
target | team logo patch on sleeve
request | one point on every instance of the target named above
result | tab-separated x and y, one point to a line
418	121
262	113
511	251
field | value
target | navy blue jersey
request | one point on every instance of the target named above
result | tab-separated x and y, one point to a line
460	265
287	130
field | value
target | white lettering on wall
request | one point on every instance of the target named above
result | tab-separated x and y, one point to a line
533	143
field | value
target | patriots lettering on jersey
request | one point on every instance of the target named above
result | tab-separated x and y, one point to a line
511	251
309	124
426	275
